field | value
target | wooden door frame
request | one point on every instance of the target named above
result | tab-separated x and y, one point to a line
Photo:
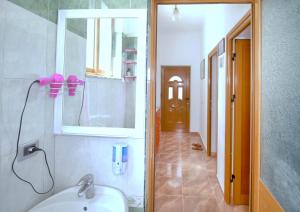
162	93
241	89
245	22
209	97
255	99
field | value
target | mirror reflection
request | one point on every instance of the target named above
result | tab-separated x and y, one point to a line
103	53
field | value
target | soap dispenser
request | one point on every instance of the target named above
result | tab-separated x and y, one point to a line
119	158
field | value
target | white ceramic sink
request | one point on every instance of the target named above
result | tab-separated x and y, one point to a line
106	200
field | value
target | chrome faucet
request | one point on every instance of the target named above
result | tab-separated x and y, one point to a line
87	188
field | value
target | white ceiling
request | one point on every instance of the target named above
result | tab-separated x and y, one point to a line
192	16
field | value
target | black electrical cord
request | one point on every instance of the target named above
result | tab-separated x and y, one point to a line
82	102
33	150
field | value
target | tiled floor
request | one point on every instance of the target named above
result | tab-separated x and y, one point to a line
185	179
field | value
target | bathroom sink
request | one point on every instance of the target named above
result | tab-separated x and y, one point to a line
106	200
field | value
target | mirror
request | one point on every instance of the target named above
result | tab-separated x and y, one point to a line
106	49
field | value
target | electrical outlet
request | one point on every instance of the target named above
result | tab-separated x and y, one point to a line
25	150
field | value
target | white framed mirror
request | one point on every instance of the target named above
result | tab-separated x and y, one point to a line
105	48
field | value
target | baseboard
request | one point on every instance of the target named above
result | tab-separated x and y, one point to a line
201	140
267	202
197	134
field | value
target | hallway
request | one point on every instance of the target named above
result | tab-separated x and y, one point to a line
185	179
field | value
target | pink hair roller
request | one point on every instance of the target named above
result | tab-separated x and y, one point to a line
72	83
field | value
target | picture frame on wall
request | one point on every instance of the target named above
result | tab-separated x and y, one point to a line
221	47
202	69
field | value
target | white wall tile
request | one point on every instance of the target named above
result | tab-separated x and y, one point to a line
23	36
29	44
76	156
51	48
136	167
18	196
49	147
85	155
2	16
24	43
13	99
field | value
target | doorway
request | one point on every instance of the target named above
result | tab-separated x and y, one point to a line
238	116
255	99
212	103
241	123
175	98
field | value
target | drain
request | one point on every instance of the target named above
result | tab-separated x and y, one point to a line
85	208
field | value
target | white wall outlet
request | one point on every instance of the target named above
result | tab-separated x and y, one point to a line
24	152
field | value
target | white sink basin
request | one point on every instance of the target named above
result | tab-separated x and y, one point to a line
106	200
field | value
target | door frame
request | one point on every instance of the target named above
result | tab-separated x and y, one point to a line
213	52
255	99
238	90
236	30
162	68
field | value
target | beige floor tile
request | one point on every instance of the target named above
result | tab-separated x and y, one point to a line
168	170
168	185
166	203
185	179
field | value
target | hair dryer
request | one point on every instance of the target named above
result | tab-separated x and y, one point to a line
72	83
56	81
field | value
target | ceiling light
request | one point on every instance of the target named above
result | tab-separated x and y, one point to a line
175	15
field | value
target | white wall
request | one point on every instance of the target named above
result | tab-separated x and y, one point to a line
76	156
27	51
221	122
181	48
214	104
189	48
215	28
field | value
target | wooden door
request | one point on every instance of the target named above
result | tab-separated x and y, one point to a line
175	98
241	125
